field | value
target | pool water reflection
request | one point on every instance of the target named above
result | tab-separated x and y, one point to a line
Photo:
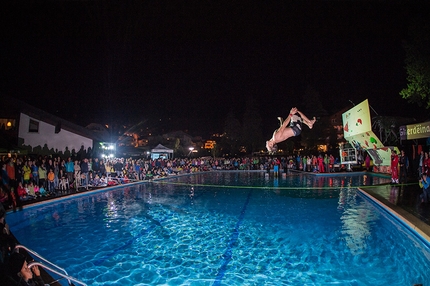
227	228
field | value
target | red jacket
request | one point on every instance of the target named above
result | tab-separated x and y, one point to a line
21	191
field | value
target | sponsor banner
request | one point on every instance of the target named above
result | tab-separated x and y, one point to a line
415	131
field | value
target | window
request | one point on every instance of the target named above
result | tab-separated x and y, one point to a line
33	126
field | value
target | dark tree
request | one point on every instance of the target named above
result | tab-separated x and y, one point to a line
417	63
252	135
313	107
230	142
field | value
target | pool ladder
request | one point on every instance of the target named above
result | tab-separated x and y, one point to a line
51	267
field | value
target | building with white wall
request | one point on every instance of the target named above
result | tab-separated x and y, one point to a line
34	132
37	131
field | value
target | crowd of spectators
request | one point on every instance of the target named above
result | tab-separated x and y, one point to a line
28	178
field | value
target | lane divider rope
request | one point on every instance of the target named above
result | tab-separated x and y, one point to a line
276	188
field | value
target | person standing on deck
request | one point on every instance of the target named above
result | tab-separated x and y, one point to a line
420	164
321	164
70	170
331	163
326	163
96	166
42	172
85	169
425	184
299	162
404	166
26	171
35	172
394	167
77	174
51	178
276	164
367	162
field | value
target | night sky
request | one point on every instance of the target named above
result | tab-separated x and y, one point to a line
187	63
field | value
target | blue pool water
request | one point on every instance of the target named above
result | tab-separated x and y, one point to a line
227	228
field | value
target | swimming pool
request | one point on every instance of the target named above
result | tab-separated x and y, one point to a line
227	228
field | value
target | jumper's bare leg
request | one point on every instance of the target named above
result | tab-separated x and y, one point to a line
306	120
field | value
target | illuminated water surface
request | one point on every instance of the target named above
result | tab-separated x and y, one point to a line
228	228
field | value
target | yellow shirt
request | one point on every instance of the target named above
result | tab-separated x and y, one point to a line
27	171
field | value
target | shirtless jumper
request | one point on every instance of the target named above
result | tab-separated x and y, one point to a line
290	127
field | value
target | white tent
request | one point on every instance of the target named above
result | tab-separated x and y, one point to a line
161	151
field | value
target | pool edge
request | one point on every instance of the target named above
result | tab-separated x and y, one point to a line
405	217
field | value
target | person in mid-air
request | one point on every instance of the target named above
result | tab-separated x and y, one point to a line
291	126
